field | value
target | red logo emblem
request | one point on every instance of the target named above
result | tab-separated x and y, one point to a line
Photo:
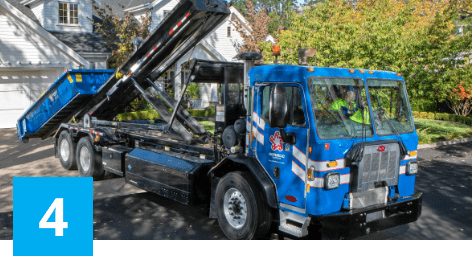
381	149
276	141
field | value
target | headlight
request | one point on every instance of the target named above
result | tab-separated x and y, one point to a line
412	167
331	180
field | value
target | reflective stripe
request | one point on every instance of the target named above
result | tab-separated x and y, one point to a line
297	170
402	169
344	179
322	166
259	121
298	154
260	137
317	182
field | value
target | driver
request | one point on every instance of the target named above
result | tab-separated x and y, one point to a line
349	108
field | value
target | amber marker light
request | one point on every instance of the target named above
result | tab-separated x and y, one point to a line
310	69
413	153
310	149
351	71
311	171
308	188
371	72
398	74
332	164
361	71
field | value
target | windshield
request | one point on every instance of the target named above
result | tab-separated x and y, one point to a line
389	107
340	107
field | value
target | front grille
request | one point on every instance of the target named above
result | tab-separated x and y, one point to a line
377	166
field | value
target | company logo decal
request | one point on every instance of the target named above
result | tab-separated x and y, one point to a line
276	141
381	149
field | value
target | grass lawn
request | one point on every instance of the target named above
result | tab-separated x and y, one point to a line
208	125
431	131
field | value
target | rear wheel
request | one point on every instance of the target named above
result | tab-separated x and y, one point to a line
89	162
67	149
241	209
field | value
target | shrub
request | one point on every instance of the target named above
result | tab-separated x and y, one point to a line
423	114
210	111
416	114
133	115
430	115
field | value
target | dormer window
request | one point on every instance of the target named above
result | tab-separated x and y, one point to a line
68	13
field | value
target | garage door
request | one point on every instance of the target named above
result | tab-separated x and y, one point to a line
18	90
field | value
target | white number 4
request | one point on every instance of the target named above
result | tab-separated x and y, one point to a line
59	225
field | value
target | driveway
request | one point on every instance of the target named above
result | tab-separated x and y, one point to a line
36	159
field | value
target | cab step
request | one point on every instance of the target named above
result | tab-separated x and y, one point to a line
294	224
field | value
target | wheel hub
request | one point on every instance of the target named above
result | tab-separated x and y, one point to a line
235	208
65	150
85	158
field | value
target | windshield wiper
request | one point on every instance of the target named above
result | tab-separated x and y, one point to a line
381	112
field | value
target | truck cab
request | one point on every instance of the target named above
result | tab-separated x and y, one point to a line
339	144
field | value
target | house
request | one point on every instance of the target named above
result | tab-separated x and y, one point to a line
39	39
220	45
37	44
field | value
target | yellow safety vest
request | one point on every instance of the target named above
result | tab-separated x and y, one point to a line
357	116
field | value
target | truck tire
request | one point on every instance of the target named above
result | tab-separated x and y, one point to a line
67	148
241	210
89	162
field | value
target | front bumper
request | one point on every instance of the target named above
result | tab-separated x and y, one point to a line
348	225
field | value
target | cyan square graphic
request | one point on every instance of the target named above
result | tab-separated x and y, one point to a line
42	199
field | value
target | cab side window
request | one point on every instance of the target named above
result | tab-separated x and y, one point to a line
294	100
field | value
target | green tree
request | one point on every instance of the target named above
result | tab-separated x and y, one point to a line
412	38
118	32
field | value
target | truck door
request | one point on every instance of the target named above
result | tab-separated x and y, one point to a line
285	163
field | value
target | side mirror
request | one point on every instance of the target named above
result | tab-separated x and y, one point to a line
278	108
278	113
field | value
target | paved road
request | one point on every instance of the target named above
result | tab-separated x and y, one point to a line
445	177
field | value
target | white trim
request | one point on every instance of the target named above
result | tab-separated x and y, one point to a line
241	18
137	8
27	2
25	19
211	50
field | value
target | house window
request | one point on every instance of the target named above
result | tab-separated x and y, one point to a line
68	13
166	12
229	31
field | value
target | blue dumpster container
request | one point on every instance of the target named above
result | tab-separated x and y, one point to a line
60	102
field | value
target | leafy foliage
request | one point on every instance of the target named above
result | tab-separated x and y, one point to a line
118	32
257	25
410	37
457	90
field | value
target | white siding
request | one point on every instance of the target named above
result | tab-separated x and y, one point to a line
47	12
38	10
158	10
24	47
226	46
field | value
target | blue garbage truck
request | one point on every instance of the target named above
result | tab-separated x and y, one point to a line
302	151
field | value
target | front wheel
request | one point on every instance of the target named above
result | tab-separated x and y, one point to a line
89	162
241	209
